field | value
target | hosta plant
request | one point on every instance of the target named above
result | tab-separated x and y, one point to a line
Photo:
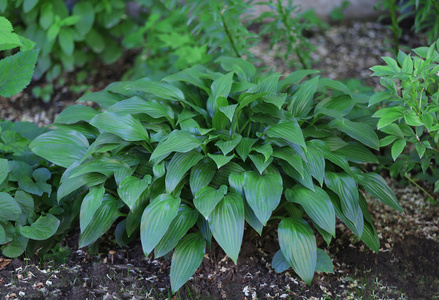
410	117
201	154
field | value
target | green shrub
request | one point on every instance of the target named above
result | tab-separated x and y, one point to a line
410	115
200	153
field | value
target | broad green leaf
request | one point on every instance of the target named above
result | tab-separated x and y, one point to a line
207	198
289	131
377	98
229	145
222	175
28	5
227	224
412	119
298	245
10	210
290	156
317	205
265	149
28	185
397	148
125	126
220	88
42	229
201	175
316	162
178	167
104	98
103	165
244	147
186	259
324	262
229	111
263	193
295	78
333	85
250	216
338	211
220	160
86	11
76	113
137	105
177	141
359	131
242	68
279	262
370	237
375	185
389	115
16	247
160	89
62	147
25	201
16	72
156	219
72	184
267	85
278	100
185	219
8	39
4	169
357	153
259	162
66	42
102	220
2	235
302	101
90	204
304	177
131	188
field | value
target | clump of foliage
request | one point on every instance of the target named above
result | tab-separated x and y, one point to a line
410	117
200	153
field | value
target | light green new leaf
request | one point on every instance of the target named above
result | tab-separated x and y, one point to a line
87	13
362	132
186	259
302	101
16	72
207	198
131	188
229	145
289	130
42	229
397	148
220	160
317	205
177	141
263	193
185	219
156	219
10	210
178	167
160	89
125	126
66	41
4	169
90	204
201	175
62	147
227	224
75	113
298	245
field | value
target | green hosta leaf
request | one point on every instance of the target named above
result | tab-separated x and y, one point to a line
291	157
177	141
220	160
131	188
101	165
278	100
289	130
137	105
251	217
185	219
298	245
178	166
229	111
25	201
75	113
10	210
160	89
397	148
280	263
377	187
266	150
317	205
186	259
102	220
156	219
263	193
357	154
201	175
207	198
16	72
337	207
90	204
16	247
2	235
324	262
303	99
227	224
370	237
436	186
359	131
4	169
62	147
125	126
316	162
229	145
220	88
295	78
72	184
104	98
86	11
244	147
259	162
304	177
43	228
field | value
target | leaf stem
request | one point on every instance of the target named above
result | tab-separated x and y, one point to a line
229	35
419	187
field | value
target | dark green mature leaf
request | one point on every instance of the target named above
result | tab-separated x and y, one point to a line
62	147
317	205
229	145
207	198
42	229
201	175
263	193
357	154
185	219
362	132
295	78
125	126
279	262
259	162
227	224
298	245
25	201
131	188
244	147
289	130
220	160
156	219
178	166
220	88
370	237
324	262
316	162
104	98
16	72
186	259
137	105
102	220
177	141
3	239
4	169
290	156
304	177
10	210
75	113
72	184
302	101
16	247
90	204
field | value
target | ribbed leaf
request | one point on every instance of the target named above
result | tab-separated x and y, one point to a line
304	177
279	262
178	166
42	229
185	219
220	160
303	99
177	141
324	262
357	154
10	210
201	175
137	105
337	207
263	193
370	237
160	89
289	130
207	198
251	218
220	88
90	204
362	132
298	245
104	98
76	113
316	162
72	184
317	205
4	169
290	156
227	224
244	147
229	145
295	78
125	126
266	150
229	111
156	219
131	188
62	147
186	259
